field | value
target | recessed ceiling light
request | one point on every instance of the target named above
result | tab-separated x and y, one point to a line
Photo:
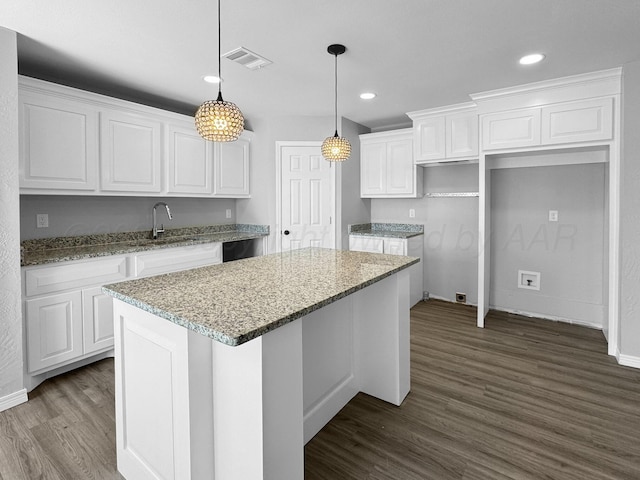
531	59
367	95
211	79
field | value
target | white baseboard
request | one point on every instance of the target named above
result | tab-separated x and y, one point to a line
328	406
444	299
628	360
13	399
547	317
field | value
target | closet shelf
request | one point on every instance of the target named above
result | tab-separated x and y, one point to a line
451	194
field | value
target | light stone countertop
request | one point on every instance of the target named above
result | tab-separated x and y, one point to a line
237	301
392	230
62	249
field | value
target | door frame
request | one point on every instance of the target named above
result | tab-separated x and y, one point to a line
335	231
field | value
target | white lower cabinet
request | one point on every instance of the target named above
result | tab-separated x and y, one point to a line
54	330
97	316
68	318
412	247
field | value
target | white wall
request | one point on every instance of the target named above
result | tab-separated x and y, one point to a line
11	382
72	215
569	254
261	207
450	225
630	214
354	209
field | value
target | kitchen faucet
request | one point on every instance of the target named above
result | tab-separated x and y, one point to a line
157	230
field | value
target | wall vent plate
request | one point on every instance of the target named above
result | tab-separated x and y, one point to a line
461	297
247	58
528	280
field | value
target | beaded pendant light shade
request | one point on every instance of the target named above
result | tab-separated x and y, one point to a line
336	148
218	120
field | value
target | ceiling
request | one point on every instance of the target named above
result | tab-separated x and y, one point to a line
415	54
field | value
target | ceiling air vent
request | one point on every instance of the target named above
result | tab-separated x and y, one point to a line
247	58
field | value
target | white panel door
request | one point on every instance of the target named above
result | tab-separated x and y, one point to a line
58	144
231	175
54	329
462	135
130	152
373	168
306	198
400	167
97	320
190	161
429	138
395	246
514	129
585	121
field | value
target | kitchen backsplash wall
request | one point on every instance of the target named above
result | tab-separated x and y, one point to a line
450	229
76	215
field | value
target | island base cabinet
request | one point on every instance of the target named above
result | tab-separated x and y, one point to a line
189	407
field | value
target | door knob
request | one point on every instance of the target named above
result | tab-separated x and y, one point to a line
286	232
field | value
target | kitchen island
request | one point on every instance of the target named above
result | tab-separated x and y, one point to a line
227	371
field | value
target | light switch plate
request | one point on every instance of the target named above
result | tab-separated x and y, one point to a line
412	213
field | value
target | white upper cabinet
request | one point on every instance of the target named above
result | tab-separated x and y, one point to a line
519	128
445	134
585	121
58	143
430	140
387	169
130	153
231	167
562	123
74	142
190	161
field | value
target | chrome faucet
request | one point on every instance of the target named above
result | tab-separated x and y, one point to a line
157	230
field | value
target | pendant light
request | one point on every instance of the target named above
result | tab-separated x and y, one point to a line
336	148
217	120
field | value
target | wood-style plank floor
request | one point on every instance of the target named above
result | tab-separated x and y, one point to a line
521	399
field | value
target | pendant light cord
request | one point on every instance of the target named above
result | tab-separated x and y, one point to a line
219	60
336	93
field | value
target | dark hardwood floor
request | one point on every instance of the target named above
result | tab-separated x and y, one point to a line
521	399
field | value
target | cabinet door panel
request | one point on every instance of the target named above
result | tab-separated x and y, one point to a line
231	175
54	330
190	161
130	148
584	121
400	167
430	139
176	259
97	320
56	278
520	128
373	168
462	135
395	246
59	144
366	244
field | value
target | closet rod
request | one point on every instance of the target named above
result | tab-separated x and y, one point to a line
452	194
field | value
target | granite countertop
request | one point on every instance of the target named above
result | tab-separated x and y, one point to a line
237	301
60	249
394	230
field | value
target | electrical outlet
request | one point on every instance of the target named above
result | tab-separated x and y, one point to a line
42	220
228	213
461	297
553	215
412	213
